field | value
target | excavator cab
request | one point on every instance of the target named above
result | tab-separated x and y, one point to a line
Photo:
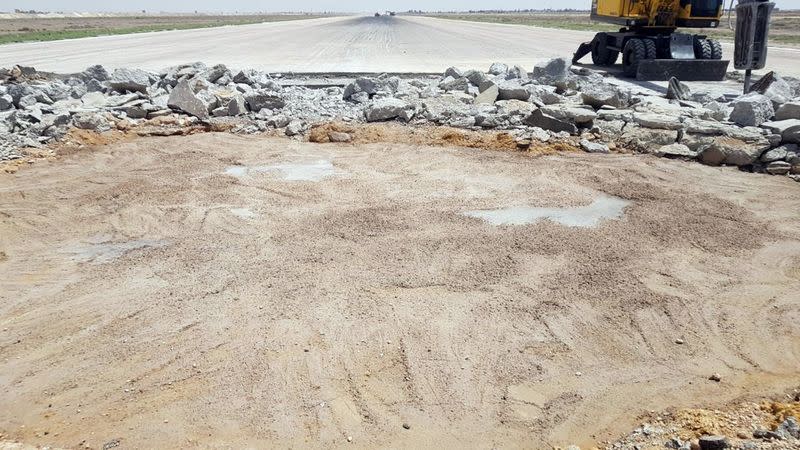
648	40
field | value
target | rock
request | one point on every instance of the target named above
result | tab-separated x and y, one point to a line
91	121
547	122
517	73
600	95
790	110
213	74
731	151
778	153
593	147
498	69
384	109
278	121
658	121
368	86
96	72
773	87
580	116
779	168
713	443
514	107
476	77
513	90
646	140
295	127
678	91
95	86
555	70
133	80
236	106
184	99
406	426
94	100
338	136
715	377
258	100
789	427
676	151
6	102
752	110
454	84
453	72
488	96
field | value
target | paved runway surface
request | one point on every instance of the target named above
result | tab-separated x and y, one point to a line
344	44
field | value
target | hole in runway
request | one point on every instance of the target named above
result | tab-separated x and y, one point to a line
588	216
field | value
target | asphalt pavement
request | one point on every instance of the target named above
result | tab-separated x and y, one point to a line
341	44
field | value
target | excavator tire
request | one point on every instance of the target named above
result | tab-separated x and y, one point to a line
716	49
601	54
650	45
635	51
702	49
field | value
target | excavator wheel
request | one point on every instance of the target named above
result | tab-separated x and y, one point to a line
716	49
601	54
635	51
650	45
702	49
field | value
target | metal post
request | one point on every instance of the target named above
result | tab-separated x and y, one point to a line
748	74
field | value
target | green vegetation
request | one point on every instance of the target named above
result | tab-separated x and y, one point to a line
783	29
55	35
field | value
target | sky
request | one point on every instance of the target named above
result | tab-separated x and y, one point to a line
298	5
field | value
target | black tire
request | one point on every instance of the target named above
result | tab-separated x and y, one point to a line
635	51
702	49
601	54
650	45
716	49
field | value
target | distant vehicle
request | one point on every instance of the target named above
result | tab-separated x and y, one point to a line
377	14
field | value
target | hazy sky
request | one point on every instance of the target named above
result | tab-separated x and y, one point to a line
298	5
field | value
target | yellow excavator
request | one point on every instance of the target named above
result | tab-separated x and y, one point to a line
651	46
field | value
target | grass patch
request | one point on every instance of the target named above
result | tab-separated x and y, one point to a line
56	35
783	30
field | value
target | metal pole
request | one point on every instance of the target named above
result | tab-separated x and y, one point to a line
748	74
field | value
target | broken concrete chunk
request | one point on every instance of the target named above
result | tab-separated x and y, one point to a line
384	109
752	110
91	121
593	147
678	91
184	99
488	95
550	123
498	69
790	110
676	151
598	95
658	121
133	80
258	100
513	90
453	72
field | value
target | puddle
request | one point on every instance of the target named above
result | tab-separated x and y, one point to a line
244	213
582	216
96	252
309	171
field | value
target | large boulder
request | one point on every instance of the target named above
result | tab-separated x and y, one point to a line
580	116
678	91
488	95
658	121
385	109
453	72
133	80
91	121
752	109
184	99
365	85
6	102
96	72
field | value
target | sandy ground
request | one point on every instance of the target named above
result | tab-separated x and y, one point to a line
344	44
206	291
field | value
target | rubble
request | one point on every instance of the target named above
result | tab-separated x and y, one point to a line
556	103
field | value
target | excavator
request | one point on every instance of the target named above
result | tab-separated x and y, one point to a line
651	46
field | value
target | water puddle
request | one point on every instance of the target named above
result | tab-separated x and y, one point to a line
600	209
308	171
243	213
96	252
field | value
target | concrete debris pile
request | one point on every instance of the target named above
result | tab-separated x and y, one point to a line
759	131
